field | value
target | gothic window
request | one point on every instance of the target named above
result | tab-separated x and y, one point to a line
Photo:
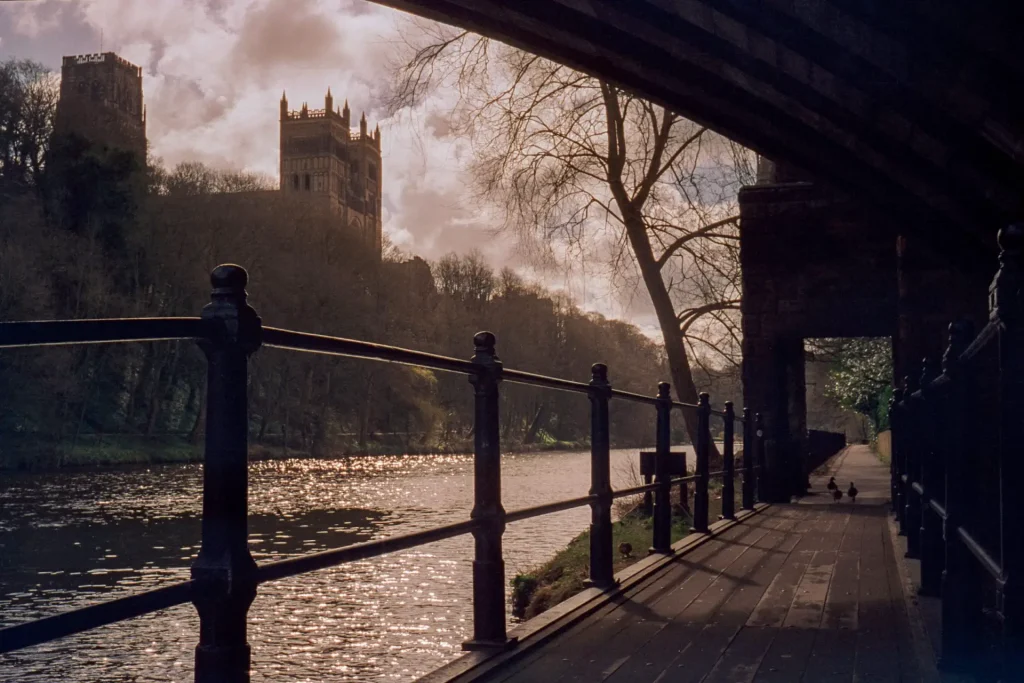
307	181
372	172
295	181
97	90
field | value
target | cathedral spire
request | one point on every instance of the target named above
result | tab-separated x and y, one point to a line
329	102
362	125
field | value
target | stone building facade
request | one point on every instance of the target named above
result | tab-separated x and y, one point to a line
101	101
323	159
325	166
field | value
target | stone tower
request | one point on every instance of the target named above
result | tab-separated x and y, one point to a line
101	100
323	158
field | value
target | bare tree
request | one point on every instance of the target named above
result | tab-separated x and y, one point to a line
577	165
28	102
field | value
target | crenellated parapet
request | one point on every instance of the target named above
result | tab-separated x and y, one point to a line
340	115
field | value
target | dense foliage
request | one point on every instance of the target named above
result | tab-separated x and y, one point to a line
87	232
860	376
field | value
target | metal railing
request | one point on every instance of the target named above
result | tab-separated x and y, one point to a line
224	576
956	468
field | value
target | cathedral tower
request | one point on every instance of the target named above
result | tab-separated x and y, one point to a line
101	100
323	158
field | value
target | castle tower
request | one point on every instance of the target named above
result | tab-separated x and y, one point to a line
101	101
324	160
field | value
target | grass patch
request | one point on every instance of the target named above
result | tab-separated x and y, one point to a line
564	575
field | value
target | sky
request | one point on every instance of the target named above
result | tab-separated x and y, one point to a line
214	71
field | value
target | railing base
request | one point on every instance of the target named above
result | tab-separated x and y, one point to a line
490	645
603	585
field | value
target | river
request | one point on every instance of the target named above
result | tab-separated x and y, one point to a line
71	538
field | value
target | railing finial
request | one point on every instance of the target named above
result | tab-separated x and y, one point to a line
664	390
961	332
598	374
234	320
1005	292
229	279
485	342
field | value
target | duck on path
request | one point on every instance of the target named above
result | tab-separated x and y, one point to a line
837	494
831	484
852	492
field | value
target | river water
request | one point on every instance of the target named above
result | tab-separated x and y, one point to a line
68	539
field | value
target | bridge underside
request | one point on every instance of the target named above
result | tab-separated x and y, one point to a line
913	107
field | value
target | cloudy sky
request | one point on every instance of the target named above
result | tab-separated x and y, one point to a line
214	70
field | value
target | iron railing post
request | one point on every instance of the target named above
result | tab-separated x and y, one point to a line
961	581
703	448
684	487
759	453
911	451
224	571
930	531
728	464
748	460
488	562
662	541
1006	298
602	573
893	475
896	428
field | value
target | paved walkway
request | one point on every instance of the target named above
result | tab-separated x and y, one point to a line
805	592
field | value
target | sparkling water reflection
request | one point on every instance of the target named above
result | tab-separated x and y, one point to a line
72	538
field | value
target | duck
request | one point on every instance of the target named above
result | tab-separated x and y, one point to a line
831	484
626	549
837	495
852	492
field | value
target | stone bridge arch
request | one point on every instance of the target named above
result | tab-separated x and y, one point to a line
817	263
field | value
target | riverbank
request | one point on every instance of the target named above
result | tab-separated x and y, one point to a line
112	451
565	574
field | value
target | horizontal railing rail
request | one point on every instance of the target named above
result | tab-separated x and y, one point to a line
86	618
338	346
224	575
102	331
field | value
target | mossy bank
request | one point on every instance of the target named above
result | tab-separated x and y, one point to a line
564	575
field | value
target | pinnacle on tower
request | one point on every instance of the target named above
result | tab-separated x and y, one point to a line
329	101
362	125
